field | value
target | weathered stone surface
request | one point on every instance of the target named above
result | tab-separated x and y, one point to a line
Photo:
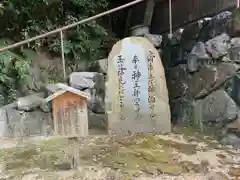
51	88
94	84
182	111
235	42
218	108
197	57
187	46
231	139
4	130
235	93
235	23
234	54
19	123
96	103
30	123
177	80
84	80
191	32
234	127
97	120
234	51
217	25
218	46
30	102
46	106
155	39
102	65
136	89
209	78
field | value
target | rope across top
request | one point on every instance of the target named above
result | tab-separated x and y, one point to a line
71	25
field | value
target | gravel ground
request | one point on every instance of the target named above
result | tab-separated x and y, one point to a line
223	163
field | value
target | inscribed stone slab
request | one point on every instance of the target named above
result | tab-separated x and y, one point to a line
137	95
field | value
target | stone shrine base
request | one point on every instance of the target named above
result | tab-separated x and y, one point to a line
131	125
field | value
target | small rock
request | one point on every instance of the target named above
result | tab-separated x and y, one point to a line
234	171
151	170
234	127
197	57
31	177
218	46
216	176
200	51
231	139
30	102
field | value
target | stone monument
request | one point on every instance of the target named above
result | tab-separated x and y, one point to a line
137	95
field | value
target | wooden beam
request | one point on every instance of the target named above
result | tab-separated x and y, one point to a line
187	11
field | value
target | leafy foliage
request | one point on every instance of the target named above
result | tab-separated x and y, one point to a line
14	67
22	19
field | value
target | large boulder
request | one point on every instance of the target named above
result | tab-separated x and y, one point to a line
30	102
15	123
85	80
218	46
217	108
22	123
217	25
235	23
210	78
94	84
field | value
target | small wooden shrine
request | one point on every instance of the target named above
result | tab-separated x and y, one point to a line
69	108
